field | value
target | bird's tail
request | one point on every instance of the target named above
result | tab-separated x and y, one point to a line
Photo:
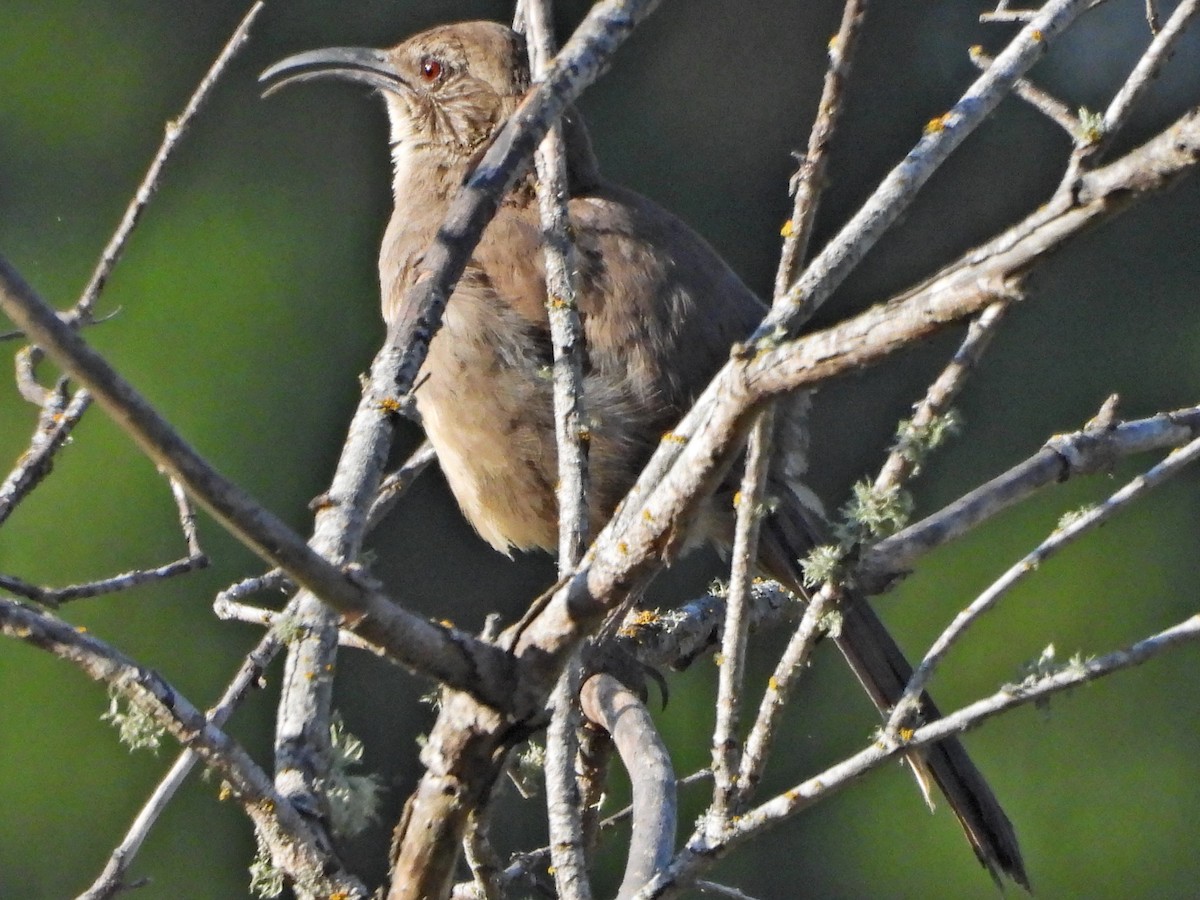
787	535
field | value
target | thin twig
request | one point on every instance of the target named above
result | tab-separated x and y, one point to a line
795	656
525	866
54	597
1146	70
294	846
903	462
568	852
481	856
249	676
1068	531
231	611
396	485
55	424
726	742
1008	15
275	580
1065	456
30	389
176	128
701	852
721	890
187	517
1049	106
809	180
942	136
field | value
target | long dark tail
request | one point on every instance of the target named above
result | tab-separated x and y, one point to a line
884	671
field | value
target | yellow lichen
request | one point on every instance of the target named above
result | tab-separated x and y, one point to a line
937	124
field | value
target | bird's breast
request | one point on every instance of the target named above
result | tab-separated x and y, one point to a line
486	403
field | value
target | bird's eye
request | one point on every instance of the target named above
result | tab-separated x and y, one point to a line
431	69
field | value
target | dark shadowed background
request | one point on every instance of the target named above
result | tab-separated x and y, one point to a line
248	307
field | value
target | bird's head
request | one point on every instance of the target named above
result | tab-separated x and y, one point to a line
447	89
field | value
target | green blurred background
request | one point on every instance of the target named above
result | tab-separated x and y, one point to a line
248	307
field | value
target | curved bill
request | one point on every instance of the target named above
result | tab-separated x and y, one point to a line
362	64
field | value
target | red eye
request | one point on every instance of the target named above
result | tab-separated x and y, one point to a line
431	69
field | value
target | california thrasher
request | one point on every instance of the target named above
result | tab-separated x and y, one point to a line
660	311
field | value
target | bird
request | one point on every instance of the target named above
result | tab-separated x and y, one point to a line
660	311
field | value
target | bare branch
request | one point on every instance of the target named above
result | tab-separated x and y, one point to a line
677	637
564	812
566	329
896	192
293	844
1007	698
396	485
442	652
521	871
481	856
275	580
795	657
721	890
1068	531
55	424
249	676
809	180
701	851
904	460
1081	453
39	456
726	740
619	711
1146	70
1008	15
990	272
1051	107
54	597
176	128
232	611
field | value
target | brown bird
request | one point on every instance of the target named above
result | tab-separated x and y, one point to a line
660	311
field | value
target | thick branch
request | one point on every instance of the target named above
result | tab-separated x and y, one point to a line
618	710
